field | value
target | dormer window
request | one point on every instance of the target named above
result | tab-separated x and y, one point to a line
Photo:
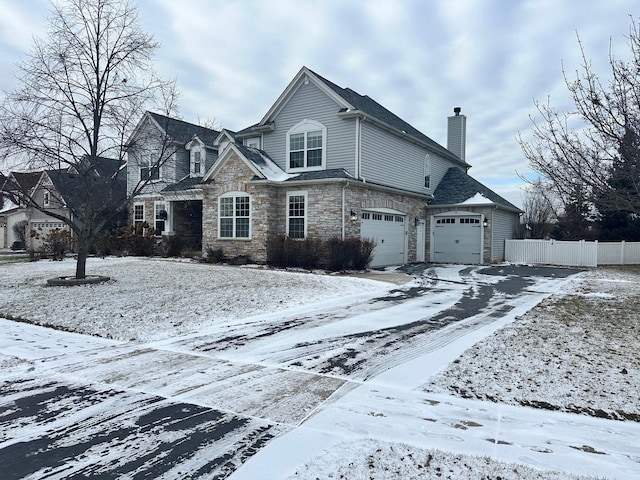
196	165
306	146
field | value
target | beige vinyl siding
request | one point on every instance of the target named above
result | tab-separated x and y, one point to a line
504	225
309	102
390	160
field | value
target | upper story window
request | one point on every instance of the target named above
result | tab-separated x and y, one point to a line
234	215
149	169
46	201
306	146
196	163
252	142
427	171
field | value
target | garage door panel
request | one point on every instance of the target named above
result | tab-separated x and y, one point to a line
458	240
388	233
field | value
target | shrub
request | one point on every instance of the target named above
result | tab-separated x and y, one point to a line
20	231
56	244
333	254
171	246
17	245
130	240
214	255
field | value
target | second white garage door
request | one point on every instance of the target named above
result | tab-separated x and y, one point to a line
388	231
457	239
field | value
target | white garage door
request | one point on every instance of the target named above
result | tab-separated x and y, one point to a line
388	231
457	239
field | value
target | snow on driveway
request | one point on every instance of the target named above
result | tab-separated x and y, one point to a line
215	367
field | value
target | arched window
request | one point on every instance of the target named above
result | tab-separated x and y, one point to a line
234	215
307	146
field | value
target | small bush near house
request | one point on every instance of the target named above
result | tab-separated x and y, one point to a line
214	255
171	246
17	245
55	244
130	240
334	254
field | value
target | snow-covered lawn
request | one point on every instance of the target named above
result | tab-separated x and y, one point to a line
574	352
153	299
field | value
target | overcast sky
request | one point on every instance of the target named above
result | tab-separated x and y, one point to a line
418	58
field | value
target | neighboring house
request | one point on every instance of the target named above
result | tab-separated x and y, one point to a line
325	161
167	159
15	212
61	192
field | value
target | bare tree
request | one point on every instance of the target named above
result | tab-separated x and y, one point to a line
576	150
540	210
82	91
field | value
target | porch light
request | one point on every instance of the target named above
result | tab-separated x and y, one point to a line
354	216
485	223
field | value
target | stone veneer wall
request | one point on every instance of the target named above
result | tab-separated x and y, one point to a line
486	211
324	210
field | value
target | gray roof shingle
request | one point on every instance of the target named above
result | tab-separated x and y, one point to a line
183	132
457	186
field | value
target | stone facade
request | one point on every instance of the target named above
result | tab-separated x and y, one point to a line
325	214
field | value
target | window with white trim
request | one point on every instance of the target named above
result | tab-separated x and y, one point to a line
46	201
149	169
234	215
196	163
427	171
138	213
306	146
161	217
297	214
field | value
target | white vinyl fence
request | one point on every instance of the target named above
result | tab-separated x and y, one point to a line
573	254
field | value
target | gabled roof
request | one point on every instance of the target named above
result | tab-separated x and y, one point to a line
26	180
351	102
78	190
101	166
183	132
457	187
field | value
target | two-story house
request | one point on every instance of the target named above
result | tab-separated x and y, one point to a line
325	161
43	197
167	159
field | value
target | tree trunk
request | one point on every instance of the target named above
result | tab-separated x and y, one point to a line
81	263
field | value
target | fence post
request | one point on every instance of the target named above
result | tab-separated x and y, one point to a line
582	253
622	253
597	254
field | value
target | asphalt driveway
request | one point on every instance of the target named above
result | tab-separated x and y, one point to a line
201	405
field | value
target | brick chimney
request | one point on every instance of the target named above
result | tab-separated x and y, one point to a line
457	133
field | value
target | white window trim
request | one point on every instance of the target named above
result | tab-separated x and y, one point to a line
46	198
253	142
138	204
304	194
427	171
305	126
192	160
167	222
235	195
145	161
